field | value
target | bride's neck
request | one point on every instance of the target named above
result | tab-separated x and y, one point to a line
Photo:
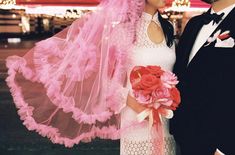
150	9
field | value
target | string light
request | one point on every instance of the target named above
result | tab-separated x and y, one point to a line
180	5
7	2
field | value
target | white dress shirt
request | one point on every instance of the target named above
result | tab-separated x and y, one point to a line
207	30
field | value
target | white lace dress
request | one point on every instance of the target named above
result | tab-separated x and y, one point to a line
138	140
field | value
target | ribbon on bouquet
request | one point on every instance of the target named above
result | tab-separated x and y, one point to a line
154	114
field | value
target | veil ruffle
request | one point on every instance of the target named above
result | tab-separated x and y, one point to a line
70	87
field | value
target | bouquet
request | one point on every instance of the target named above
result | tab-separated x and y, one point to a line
156	90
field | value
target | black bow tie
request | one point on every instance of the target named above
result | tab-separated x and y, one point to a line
212	17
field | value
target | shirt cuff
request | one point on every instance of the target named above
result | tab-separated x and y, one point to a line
219	152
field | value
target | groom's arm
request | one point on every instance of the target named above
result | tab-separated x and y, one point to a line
179	69
180	48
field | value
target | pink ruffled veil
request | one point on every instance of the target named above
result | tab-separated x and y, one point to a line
70	87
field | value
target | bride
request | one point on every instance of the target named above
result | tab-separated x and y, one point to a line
75	86
153	46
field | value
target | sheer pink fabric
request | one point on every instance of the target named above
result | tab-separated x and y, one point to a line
71	87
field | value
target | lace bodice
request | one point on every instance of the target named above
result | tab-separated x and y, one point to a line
142	39
146	52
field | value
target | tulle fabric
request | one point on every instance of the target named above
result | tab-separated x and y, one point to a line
71	87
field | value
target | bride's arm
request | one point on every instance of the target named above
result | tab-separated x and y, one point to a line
132	103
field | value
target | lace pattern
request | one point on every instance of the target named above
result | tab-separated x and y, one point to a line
132	147
141	33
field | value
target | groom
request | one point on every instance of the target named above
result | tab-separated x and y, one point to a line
205	122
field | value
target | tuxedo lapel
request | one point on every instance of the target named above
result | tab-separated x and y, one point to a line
222	26
189	40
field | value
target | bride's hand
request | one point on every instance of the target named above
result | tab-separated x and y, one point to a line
133	104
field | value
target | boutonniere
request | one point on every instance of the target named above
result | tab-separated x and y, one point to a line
221	39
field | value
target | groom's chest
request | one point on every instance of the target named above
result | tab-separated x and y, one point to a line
201	38
213	44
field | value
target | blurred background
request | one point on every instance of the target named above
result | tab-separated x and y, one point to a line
25	22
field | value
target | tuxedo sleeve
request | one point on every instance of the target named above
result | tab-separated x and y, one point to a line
181	53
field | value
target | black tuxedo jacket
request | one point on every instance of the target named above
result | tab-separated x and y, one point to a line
205	119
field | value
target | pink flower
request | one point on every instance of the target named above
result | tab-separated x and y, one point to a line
169	79
144	99
161	93
163	96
